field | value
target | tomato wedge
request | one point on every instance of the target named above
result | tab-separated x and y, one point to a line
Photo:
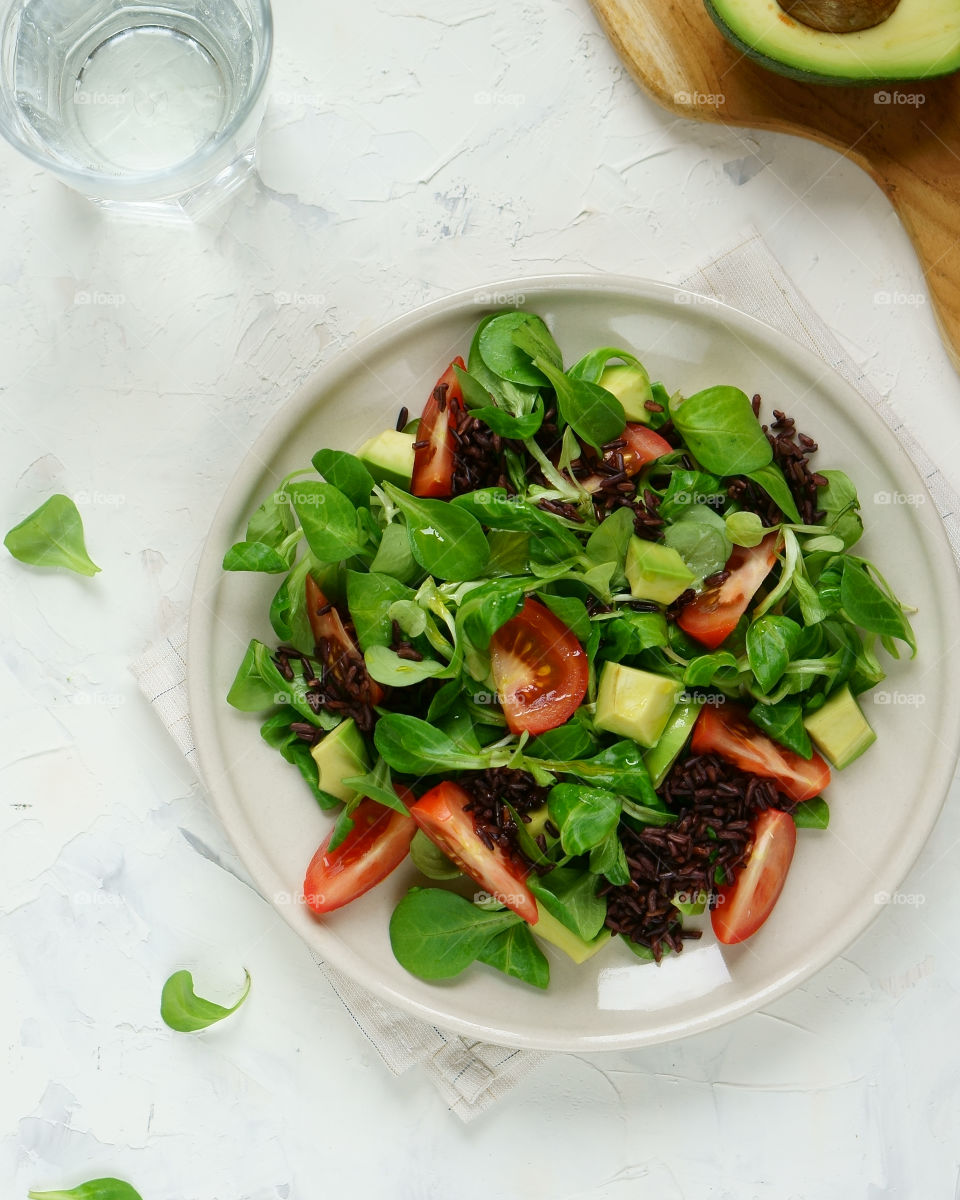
378	842
539	668
729	732
714	614
643	446
336	649
435	457
744	905
441	814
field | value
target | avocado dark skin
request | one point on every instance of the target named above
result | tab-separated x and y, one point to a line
839	16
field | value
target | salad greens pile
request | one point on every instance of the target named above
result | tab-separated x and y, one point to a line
445	575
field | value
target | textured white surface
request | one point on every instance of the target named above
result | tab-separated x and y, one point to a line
409	150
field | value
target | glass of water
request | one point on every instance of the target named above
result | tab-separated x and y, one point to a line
153	104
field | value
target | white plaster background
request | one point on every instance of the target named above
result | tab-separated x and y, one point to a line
410	149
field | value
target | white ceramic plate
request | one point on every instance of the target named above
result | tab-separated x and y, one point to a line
883	806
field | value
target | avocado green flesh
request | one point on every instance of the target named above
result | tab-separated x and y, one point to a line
634	704
630	383
920	40
552	931
839	729
676	733
339	755
389	457
656	572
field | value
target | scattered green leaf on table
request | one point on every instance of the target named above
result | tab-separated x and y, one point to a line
183	1010
52	536
93	1189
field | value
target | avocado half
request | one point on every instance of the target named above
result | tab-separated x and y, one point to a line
919	40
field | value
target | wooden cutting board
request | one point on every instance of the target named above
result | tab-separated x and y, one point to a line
909	145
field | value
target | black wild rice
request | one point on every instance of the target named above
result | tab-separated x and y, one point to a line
560	508
791	451
676	608
617	490
401	647
343	686
491	791
306	732
479	460
413	700
402	418
704	848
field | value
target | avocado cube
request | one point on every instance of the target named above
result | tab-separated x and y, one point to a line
389	457
839	730
675	736
557	934
339	755
656	572
630	383
538	821
635	704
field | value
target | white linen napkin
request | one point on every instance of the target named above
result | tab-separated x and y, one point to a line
473	1075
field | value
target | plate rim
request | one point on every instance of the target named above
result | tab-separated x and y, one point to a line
498	296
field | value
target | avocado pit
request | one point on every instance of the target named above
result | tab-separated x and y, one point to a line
839	16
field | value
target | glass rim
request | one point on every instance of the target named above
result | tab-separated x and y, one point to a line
85	180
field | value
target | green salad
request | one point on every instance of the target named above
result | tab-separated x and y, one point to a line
583	649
